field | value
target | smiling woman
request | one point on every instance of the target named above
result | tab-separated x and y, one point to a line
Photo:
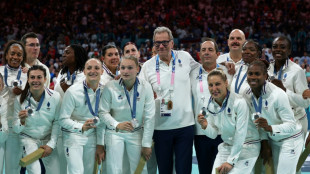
14	79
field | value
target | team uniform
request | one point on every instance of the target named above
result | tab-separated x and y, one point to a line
294	80
239	84
171	83
241	144
79	146
107	75
286	139
41	128
206	148
3	130
48	75
226	58
12	144
115	109
76	77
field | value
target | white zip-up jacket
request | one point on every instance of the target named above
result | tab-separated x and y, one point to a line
234	125
74	112
294	80
43	124
7	92
200	98
115	109
277	111
79	77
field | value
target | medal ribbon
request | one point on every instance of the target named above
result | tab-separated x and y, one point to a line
73	76
40	102
237	87
200	78
6	75
135	94
95	114
223	105
260	104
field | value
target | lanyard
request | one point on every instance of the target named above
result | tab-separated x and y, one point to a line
237	87
95	114
40	102
260	104
6	75
223	106
173	70
200	78
280	72
135	94
69	76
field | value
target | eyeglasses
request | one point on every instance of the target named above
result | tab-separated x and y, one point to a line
33	45
164	43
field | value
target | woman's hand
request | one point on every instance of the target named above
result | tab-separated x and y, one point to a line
146	152
16	90
202	121
263	123
47	150
225	168
23	114
126	125
89	124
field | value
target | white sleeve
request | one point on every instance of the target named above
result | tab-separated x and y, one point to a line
286	114
149	116
242	110
67	107
55	127
17	126
105	108
212	130
300	85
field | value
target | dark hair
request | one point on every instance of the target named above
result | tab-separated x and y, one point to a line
80	56
7	48
289	43
28	35
214	42
261	63
129	43
257	46
105	48
1	78
26	89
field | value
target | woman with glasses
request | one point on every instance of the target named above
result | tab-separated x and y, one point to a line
271	111
110	58
73	59
36	113
14	79
79	120
228	114
128	110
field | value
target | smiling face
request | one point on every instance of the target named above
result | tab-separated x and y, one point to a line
256	77
249	52
68	57
14	56
36	80
236	40
111	58
280	49
128	70
217	87
93	71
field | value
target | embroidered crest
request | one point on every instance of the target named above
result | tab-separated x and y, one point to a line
284	77
120	97
48	106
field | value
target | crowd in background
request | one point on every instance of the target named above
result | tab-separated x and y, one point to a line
94	24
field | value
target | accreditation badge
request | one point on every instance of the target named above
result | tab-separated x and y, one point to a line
165	107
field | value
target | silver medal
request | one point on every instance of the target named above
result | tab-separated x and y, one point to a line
15	83
96	121
255	116
30	111
134	123
68	82
203	112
